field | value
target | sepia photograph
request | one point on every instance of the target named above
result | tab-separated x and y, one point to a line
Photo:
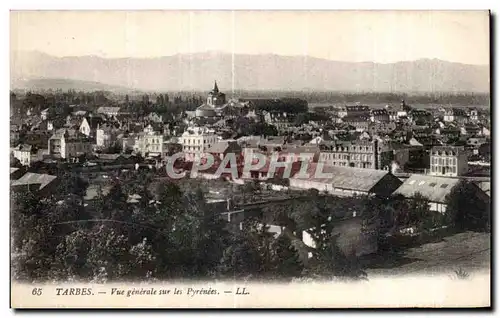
217	159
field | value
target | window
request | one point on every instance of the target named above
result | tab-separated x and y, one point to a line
445	185
421	183
433	184
411	182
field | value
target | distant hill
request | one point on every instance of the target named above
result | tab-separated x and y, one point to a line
67	84
253	72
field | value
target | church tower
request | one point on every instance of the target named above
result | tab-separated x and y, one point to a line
216	98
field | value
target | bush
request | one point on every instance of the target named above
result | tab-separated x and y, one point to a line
465	210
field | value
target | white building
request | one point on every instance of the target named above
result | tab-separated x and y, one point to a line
474	115
105	136
23	154
196	140
434	189
62	145
85	127
448	161
149	142
44	113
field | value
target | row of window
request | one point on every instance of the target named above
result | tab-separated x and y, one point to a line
444	161
154	147
155	141
354	149
444	170
192	148
359	157
78	147
197	141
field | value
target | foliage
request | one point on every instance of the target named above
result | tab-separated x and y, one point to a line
465	210
461	274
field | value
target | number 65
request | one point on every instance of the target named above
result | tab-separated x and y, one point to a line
36	291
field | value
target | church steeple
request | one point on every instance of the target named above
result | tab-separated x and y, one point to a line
216	89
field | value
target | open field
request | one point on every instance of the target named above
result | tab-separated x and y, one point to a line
468	251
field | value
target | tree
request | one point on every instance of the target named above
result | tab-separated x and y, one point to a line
240	258
285	259
330	263
71	183
421	216
466	209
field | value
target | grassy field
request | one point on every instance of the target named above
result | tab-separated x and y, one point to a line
468	251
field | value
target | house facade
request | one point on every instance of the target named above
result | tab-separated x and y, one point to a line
448	161
196	141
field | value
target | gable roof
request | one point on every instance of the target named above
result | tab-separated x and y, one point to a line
34	178
345	177
434	188
24	147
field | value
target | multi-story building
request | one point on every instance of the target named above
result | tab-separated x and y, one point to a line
23	153
66	146
359	154
358	110
420	116
77	146
379	116
448	161
105	136
360	123
381	128
149	142
196	140
57	144
473	115
455	115
155	118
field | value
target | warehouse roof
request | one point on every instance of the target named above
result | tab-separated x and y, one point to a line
34	178
344	177
432	187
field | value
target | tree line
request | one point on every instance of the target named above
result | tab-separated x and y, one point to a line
170	232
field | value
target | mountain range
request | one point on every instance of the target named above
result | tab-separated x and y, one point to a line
197	71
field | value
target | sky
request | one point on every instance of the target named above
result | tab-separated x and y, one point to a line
375	36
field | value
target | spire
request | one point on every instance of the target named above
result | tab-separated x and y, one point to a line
216	89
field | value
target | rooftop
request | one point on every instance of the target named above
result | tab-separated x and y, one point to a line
34	178
432	187
345	177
